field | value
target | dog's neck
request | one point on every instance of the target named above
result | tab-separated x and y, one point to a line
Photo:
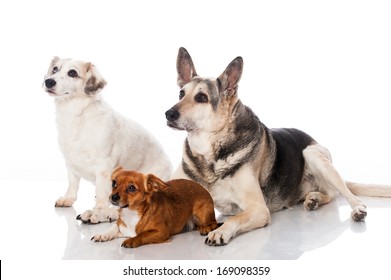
75	106
199	142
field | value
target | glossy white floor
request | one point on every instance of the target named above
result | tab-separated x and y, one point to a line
33	225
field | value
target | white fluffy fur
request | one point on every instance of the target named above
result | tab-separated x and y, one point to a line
94	139
126	228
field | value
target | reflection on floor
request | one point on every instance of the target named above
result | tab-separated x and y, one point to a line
293	234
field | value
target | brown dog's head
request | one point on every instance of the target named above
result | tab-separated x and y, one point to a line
131	188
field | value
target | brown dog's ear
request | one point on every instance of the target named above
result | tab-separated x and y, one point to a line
228	81
154	184
95	81
116	171
185	67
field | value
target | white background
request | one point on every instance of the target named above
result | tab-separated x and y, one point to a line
324	68
320	66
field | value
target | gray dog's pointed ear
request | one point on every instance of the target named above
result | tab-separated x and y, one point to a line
185	67
94	80
228	81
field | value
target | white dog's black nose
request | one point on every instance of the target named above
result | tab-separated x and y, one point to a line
49	83
172	114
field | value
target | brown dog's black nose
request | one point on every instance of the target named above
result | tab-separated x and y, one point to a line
172	114
115	198
49	83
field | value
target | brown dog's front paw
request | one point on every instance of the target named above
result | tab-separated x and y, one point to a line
131	243
204	230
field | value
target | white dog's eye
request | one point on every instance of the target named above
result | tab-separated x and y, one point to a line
55	70
72	73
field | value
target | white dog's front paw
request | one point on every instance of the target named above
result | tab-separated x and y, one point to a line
110	234
218	237
103	237
359	213
98	215
65	202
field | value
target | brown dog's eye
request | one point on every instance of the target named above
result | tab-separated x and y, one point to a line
201	98
55	70
181	94
131	188
72	73
114	184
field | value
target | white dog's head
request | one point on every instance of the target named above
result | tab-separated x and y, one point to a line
67	77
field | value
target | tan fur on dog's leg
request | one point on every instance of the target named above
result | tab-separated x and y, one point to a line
315	199
318	161
243	222
71	195
251	211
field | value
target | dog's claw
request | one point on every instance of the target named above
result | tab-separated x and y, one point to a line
214	243
313	204
359	216
78	217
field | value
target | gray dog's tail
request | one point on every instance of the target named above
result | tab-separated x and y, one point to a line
373	190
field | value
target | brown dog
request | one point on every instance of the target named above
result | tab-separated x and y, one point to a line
150	210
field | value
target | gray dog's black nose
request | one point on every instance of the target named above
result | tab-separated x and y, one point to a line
172	114
49	83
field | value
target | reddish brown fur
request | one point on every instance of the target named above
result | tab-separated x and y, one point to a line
164	207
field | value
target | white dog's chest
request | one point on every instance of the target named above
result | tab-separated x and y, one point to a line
82	142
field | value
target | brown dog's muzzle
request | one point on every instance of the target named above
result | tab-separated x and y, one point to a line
114	198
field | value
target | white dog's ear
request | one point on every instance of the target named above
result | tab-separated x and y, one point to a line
54	61
52	64
94	80
116	171
185	67
228	81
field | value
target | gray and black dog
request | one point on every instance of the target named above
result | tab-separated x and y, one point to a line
249	169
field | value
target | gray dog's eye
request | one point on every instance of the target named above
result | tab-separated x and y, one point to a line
72	73
181	94
55	70
201	97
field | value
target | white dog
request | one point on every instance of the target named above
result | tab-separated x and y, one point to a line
94	139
